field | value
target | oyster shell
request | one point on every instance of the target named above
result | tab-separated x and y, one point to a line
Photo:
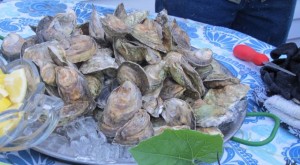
135	130
99	62
171	90
204	71
153	105
150	34
114	27
95	27
11	46
129	71
219	105
219	80
130	51
177	112
161	129
48	74
94	85
211	131
180	38
156	74
135	18
162	19
82	48
122	104
71	85
199	57
152	56
120	12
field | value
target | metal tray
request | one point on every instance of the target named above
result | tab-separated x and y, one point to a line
228	130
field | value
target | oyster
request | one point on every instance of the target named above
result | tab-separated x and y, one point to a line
130	51
204	71
219	105
177	112
94	85
162	19
161	129
156	74
150	34
135	18
71	85
153	105
171	90
11	46
184	74
137	129
120	12
219	80
48	73
95	27
122	104
129	71
113	26
99	62
210	131
152	56
57	28
180	38
198	58
82	48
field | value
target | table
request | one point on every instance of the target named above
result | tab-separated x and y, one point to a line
15	16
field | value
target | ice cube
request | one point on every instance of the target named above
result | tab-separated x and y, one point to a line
55	141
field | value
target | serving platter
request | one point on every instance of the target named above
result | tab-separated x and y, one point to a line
60	146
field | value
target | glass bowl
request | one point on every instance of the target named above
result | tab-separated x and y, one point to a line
37	117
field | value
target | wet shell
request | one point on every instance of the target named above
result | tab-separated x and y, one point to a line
95	26
219	80
177	112
94	85
135	18
11	46
120	12
129	71
99	62
121	106
135	130
180	37
70	84
48	74
130	51
198	58
156	74
82	48
171	90
150	34
204	71
113	26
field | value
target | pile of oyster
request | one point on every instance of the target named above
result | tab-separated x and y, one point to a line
136	75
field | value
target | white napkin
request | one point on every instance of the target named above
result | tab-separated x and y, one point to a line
287	110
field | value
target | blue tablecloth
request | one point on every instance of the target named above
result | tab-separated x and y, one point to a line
15	16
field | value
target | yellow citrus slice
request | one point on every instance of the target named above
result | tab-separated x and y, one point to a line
15	84
11	124
4	104
2	75
3	92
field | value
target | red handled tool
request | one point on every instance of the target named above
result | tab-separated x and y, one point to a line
246	53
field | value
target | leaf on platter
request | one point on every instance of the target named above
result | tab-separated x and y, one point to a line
178	147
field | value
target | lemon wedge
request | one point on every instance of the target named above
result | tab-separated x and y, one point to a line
4	104
9	125
2	75
15	84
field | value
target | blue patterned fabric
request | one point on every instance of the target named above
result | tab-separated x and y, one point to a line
15	16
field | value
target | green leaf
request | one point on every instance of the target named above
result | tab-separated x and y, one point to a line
178	147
